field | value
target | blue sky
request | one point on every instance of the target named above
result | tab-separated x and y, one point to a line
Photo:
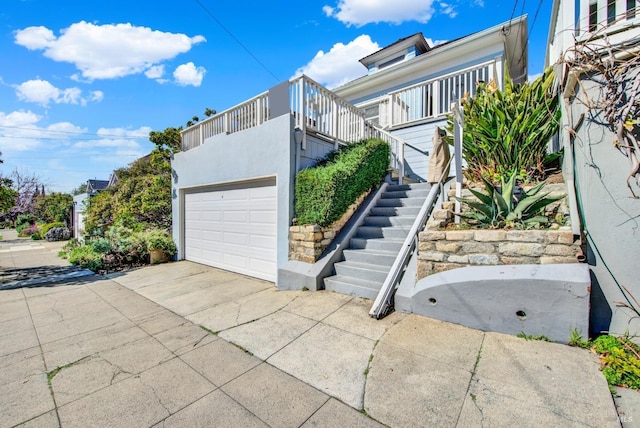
83	82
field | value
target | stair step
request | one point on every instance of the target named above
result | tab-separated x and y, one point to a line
394	194
394	211
353	286
387	221
368	232
381	258
363	271
386	244
411	186
400	202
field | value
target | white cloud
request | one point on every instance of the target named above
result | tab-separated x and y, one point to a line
362	12
18	118
448	9
142	132
341	64
433	43
107	51
479	3
34	38
42	92
155	72
97	96
17	130
189	74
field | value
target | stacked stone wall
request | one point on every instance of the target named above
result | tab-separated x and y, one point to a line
441	250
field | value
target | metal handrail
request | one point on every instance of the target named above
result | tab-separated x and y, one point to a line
383	300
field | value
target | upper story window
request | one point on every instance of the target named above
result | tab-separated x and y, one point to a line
391	62
610	13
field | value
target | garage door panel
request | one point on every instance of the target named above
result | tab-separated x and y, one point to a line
262	242
230	238
211	235
264	216
233	228
235	216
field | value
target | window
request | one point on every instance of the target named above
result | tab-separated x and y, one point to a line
391	62
631	9
611	11
593	16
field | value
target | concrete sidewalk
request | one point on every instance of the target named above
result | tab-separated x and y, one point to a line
128	350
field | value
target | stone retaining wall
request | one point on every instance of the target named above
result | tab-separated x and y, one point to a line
308	242
441	250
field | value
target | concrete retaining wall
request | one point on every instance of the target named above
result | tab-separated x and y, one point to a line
548	300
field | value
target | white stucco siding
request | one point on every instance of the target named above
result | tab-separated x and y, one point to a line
263	152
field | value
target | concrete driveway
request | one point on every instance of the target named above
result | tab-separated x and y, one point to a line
182	344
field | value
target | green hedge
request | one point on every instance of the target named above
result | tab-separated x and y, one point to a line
324	192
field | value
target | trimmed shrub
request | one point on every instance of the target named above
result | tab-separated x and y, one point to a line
58	234
324	193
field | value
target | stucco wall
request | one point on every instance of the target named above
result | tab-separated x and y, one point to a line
611	217
264	151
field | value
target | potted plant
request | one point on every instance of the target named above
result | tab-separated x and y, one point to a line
160	246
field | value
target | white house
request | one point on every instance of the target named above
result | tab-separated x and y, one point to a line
80	204
596	163
233	187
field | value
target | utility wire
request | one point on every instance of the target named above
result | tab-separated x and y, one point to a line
236	40
47	131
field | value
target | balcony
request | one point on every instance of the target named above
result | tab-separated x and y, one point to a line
610	19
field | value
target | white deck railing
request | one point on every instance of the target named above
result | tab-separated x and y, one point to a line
433	98
238	118
314	108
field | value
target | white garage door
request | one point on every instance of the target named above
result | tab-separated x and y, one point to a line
233	228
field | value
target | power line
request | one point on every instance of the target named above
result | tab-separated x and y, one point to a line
237	40
18	137
46	131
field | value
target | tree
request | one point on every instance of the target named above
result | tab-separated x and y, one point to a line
26	184
55	207
82	188
141	196
7	195
167	140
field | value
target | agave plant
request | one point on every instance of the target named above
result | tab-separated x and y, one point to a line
502	206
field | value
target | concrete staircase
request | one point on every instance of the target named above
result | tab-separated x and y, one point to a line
377	242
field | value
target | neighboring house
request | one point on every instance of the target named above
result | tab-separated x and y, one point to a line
233	182
80	201
592	162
